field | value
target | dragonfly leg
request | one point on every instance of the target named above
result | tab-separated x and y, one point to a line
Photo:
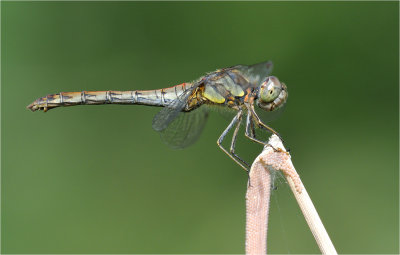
262	124
249	133
252	129
233	142
235	120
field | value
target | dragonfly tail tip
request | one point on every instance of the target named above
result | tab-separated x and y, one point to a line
33	107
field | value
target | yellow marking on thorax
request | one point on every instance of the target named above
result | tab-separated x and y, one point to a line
234	89
211	94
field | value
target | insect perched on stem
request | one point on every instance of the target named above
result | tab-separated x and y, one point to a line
182	118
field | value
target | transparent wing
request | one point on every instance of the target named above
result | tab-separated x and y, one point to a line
257	72
185	128
180	129
167	114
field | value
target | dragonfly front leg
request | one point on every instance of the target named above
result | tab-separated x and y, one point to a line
235	120
249	133
261	124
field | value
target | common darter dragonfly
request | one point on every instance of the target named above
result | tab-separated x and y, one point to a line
239	88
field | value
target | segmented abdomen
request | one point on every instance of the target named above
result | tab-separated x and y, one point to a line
158	97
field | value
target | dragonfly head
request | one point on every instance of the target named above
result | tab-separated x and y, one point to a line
272	94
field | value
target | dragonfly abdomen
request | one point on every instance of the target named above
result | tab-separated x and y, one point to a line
158	97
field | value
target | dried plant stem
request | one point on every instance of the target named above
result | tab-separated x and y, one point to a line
275	157
257	208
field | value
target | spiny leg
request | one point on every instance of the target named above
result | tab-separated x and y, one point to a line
249	133
233	142
261	124
221	138
252	129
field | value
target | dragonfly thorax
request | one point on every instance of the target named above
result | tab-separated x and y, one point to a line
272	94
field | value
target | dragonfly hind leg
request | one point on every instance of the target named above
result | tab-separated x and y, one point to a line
233	143
236	120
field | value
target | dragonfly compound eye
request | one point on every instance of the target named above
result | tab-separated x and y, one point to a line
272	94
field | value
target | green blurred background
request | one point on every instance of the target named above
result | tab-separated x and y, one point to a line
98	179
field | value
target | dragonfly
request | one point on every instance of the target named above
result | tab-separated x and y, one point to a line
240	88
